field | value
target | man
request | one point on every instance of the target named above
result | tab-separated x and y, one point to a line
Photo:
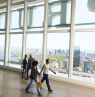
29	64
24	65
45	70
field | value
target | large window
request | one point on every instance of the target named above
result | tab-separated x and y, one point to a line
84	55
34	45
2	45
58	52
15	50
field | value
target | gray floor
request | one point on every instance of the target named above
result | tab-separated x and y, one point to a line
11	85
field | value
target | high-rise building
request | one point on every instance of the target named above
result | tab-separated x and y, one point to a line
76	57
66	64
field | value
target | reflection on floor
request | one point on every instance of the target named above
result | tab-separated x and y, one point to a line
11	85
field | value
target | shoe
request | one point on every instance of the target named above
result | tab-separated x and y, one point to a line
40	95
50	90
26	78
26	91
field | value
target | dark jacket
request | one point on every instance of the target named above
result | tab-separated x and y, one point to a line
24	63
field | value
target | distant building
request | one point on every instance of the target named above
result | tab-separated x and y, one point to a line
87	66
66	64
76	61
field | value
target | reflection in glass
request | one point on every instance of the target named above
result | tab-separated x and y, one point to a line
17	19
36	16
56	7
56	20
59	14
58	52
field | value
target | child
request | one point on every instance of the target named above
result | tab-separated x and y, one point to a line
33	76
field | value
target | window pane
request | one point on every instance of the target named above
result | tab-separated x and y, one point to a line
17	16
85	11
34	45
15	19
56	7
59	14
84	56
58	52
56	20
15	50
2	45
36	16
2	21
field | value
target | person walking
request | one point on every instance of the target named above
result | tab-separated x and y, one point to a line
45	70
33	77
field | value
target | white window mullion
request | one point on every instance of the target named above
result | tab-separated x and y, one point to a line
72	36
44	50
7	26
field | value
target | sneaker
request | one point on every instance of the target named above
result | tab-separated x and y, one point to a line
50	90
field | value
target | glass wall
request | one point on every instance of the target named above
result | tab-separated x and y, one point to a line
15	50
57	36
36	16
15	34
17	16
59	13
58	52
34	45
85	13
84	55
2	31
83	64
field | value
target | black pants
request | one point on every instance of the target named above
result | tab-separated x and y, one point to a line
28	68
45	77
23	71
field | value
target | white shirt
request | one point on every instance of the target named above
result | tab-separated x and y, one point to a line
46	68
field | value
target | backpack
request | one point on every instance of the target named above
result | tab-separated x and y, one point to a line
34	72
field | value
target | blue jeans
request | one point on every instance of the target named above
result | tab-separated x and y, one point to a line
29	85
